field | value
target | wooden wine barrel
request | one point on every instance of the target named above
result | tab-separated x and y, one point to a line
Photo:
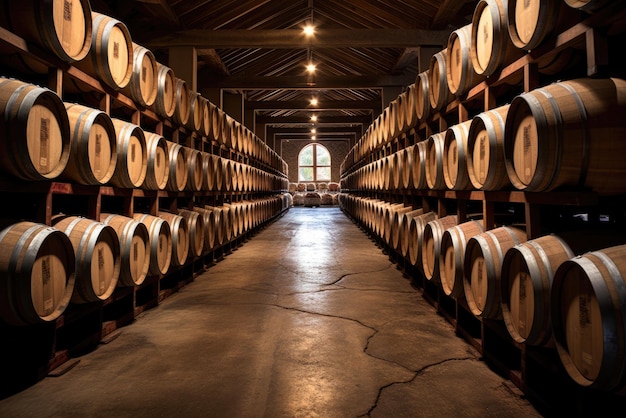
132	158
182	110
491	46
93	151
400	113
460	72
227	216
419	166
483	264
160	236
218	172
195	178
431	245
439	94
219	224
143	85
60	26
97	251
434	161
228	174
406	172
403	224
37	278
530	22
157	170
165	102
455	157
196	229
485	150
527	273
110	58
563	135
196	112
452	255
178	170
410	113
415	235
208	220
588	307
217	118
180	237
134	248
387	219
34	131
205	130
422	101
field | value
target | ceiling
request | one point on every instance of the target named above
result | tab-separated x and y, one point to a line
365	51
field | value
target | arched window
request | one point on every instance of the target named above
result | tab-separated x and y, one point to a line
314	163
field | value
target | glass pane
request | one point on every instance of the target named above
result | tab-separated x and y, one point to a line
323	173
306	156
323	156
306	174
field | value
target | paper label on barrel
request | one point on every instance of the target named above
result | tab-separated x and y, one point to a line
116	50
481	161
46	275
101	281
527	162
97	167
44	142
67	10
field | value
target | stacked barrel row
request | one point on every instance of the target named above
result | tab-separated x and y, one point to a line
508	30
80	260
561	291
102	48
554	137
43	138
564	290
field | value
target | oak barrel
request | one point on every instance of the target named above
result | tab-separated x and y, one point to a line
482	268
37	278
460	72
180	237
195	176
455	157
415	235
452	255
491	45
588	306
165	102
485	150
157	170
132	158
439	94
110	58
93	151
530	22
34	131
208	219
134	248
431	245
422	96
434	161
182	110
97	251
62	27
527	274
143	84
178	169
196	230
418	169
563	135
404	223
160	236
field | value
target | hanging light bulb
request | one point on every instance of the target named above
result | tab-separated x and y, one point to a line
314	118
309	30
314	101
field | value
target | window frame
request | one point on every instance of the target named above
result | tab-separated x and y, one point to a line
315	166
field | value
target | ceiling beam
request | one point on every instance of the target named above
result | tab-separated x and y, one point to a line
295	39
319	131
306	105
305	82
321	120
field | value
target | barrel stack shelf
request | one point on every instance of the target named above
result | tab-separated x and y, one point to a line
384	189
238	188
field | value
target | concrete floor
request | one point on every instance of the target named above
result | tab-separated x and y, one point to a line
307	319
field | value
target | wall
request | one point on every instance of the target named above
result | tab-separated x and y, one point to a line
290	150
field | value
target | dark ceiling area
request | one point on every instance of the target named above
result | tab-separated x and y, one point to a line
365	51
